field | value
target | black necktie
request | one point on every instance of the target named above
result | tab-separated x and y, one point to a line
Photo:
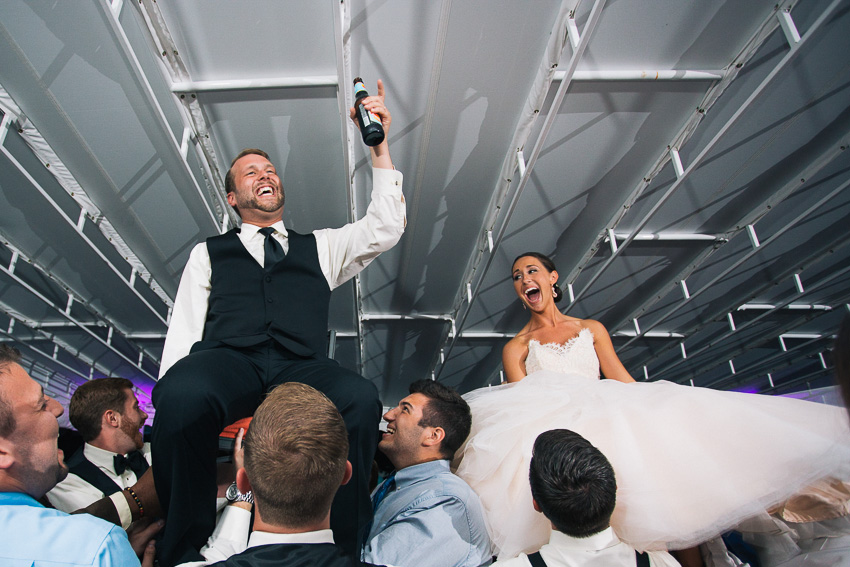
271	248
135	461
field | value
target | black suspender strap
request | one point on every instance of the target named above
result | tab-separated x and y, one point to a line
536	560
642	559
84	469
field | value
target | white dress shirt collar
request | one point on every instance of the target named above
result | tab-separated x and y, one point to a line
249	230
100	457
268	538
602	540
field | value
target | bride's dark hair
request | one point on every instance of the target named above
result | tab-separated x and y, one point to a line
550	267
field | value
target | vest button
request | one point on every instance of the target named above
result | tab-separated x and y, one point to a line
268	278
270	300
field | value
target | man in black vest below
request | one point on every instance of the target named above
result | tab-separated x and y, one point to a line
107	415
293	461
251	312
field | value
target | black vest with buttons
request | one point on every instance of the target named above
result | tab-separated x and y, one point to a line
248	305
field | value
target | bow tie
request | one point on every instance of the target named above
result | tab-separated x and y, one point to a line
135	461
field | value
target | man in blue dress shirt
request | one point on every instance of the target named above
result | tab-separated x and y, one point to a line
424	514
30	465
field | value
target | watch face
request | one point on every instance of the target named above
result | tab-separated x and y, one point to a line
232	493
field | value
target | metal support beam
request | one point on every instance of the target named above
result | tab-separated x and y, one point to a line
160	121
79	324
78	225
822	282
819	163
644	75
706	150
317	81
474	270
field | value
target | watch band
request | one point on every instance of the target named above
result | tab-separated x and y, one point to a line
233	495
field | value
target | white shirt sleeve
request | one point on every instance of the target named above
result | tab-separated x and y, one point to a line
229	538
190	308
344	252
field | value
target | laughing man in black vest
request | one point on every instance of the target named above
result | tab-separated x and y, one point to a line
251	312
107	415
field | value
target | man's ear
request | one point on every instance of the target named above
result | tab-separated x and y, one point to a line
434	436
348	473
242	481
231	199
111	418
7	458
536	505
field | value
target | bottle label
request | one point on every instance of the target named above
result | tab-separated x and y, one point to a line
358	86
368	117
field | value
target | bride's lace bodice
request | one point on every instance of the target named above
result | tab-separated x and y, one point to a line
577	356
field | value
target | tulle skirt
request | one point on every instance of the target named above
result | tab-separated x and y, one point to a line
690	462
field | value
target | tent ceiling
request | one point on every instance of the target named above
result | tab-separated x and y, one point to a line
684	163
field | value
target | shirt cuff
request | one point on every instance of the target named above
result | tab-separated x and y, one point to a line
386	181
123	509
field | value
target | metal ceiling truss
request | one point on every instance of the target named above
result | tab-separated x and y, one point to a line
774	335
783	359
515	160
746	224
683	173
48	378
78	225
37	334
686	132
345	92
65	312
112	11
800	292
73	297
725	312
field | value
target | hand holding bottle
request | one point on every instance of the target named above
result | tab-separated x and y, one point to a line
373	105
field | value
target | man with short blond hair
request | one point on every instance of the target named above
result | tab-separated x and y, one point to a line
106	412
295	459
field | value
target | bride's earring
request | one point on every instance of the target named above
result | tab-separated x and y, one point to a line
521	302
554	291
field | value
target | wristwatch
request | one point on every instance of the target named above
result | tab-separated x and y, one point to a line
233	495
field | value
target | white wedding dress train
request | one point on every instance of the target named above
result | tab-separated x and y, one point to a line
690	462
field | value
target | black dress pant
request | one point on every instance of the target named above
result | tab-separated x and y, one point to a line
209	389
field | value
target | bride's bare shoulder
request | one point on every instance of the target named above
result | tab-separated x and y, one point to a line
595	327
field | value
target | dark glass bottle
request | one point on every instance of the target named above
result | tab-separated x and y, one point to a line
370	125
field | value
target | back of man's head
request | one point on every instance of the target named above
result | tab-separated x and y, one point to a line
91	400
445	409
572	483
296	451
8	355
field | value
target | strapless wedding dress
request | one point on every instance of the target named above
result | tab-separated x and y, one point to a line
690	462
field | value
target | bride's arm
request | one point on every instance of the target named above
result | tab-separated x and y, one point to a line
609	362
513	360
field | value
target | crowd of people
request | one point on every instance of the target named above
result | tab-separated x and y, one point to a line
556	467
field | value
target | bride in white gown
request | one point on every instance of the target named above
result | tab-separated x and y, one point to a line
690	462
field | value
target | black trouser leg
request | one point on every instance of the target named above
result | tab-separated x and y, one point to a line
200	395
357	401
